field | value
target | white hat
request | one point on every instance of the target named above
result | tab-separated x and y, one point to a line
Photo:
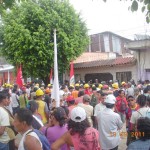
78	114
110	99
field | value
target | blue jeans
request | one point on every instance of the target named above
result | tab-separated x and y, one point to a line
4	146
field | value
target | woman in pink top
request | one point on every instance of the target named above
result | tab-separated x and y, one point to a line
80	134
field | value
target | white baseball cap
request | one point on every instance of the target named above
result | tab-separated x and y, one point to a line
78	114
110	99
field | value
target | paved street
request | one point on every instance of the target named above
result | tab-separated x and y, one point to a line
123	146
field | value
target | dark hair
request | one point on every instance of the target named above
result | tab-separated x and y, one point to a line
77	88
108	105
60	115
6	91
33	106
141	100
96	85
24	114
81	93
35	89
15	86
148	87
66	110
119	92
93	88
145	90
63	87
71	102
14	90
103	94
3	95
130	96
143	125
78	127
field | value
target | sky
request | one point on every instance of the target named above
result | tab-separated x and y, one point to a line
112	16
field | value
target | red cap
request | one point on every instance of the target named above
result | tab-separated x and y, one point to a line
69	98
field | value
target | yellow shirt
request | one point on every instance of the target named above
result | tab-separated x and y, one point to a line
41	110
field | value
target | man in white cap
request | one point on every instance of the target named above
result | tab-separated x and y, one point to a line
109	124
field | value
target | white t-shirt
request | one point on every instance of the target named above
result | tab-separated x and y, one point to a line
109	124
142	112
4	121
99	107
21	144
14	98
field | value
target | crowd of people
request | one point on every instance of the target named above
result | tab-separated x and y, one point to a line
90	116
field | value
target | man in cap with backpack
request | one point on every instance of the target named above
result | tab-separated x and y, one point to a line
32	139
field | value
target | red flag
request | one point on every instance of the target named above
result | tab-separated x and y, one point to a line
51	76
72	80
19	77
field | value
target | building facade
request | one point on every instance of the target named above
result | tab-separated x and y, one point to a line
141	50
106	58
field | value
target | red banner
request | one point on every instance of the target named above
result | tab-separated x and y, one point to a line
19	77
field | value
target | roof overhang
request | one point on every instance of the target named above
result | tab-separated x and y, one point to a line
107	63
6	68
138	45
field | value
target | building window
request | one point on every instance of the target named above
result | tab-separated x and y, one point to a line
77	77
124	76
116	44
106	42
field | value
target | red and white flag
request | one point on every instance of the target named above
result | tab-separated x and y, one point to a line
72	80
51	76
19	77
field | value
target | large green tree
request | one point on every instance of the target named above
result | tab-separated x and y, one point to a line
28	36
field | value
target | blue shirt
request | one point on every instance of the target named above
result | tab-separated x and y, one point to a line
139	145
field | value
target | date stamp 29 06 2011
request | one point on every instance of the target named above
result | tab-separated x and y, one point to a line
125	134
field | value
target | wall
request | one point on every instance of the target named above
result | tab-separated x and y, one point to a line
111	70
143	63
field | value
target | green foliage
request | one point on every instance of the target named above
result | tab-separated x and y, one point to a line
134	6
145	7
28	36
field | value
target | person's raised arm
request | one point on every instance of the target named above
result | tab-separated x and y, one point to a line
64	139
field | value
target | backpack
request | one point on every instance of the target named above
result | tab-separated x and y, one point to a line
123	105
43	139
93	101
